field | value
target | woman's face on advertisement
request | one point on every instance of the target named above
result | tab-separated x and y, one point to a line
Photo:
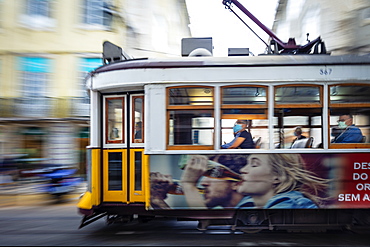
257	176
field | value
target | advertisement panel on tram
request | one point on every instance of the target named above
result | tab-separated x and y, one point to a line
268	181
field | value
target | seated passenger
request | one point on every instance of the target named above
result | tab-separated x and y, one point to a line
243	139
350	133
298	134
335	131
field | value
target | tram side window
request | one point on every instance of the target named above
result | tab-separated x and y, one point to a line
298	110
246	102
138	119
114	108
349	116
190	117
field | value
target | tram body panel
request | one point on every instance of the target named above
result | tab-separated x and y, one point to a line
237	70
238	75
156	129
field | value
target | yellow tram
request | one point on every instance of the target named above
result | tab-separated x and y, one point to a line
158	127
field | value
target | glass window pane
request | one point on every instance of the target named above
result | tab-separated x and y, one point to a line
93	12
299	126
138	171
296	95
138	131
258	130
243	95
38	7
191	96
350	94
191	127
115	120
244	112
354	129
296	120
115	171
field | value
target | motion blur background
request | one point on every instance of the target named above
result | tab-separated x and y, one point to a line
47	47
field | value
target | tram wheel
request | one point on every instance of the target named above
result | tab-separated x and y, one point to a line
255	219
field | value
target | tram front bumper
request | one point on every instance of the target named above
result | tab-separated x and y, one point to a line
85	204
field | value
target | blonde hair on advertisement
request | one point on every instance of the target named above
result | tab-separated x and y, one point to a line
293	176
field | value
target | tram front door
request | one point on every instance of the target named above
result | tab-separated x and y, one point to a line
125	167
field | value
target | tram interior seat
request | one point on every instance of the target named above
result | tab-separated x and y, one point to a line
303	143
257	142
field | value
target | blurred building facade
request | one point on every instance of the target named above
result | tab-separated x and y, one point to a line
344	26
46	49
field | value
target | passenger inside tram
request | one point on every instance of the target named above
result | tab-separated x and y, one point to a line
138	133
243	138
298	135
350	133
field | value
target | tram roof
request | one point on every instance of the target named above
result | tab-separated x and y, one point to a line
255	61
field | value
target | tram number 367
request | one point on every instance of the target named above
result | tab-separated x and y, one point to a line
326	71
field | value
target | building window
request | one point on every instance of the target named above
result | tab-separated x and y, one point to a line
86	66
190	117
97	13
34	76
81	103
37	14
38	7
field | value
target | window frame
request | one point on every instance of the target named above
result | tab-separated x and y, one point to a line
132	115
303	105
34	74
320	108
35	4
349	106
39	20
123	140
244	106
101	21
300	105
170	108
